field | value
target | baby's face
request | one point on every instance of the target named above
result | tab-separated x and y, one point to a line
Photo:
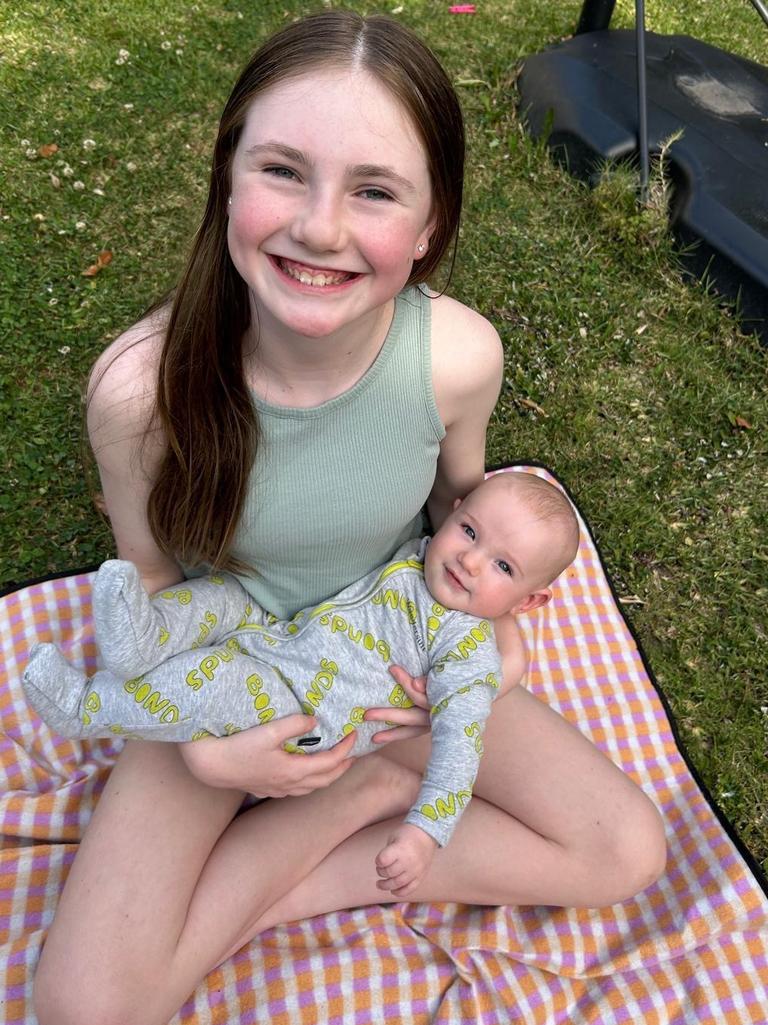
489	557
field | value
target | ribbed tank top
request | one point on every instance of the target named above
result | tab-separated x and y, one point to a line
337	488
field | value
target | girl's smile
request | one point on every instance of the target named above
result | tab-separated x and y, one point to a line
313	277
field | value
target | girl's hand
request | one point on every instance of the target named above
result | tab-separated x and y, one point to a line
411	722
401	865
255	761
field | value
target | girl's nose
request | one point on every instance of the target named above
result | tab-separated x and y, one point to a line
318	225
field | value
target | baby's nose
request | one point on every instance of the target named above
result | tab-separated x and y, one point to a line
471	561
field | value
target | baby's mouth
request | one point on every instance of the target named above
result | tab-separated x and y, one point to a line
314	276
457	583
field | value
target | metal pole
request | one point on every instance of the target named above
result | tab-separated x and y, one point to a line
642	100
761	9
595	16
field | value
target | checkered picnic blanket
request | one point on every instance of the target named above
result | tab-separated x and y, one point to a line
691	950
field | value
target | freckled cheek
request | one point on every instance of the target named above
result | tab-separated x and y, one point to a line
390	248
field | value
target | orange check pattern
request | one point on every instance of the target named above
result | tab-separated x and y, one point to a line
692	950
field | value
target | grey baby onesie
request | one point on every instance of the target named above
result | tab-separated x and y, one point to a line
202	659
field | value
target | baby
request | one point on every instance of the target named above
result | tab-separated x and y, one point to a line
202	659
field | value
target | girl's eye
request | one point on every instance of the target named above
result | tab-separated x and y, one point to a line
281	172
505	567
375	194
468	531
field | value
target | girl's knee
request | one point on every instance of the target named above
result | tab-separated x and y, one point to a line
636	854
65	999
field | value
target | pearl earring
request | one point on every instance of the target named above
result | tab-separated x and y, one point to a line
229	201
420	247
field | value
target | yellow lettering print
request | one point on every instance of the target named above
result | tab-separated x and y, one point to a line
152	701
443	809
201	735
121	731
183	597
321	683
398	698
434	622
475	733
163	638
397	601
355	718
209	622
92	705
261	700
338	624
246	616
216	580
477	635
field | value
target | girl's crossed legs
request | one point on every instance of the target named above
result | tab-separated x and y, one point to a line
165	885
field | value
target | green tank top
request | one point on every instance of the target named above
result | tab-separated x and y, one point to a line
337	488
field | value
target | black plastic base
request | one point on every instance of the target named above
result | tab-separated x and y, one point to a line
584	94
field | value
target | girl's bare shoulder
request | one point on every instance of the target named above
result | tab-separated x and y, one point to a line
467	354
122	383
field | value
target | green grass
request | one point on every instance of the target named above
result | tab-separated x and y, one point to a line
637	388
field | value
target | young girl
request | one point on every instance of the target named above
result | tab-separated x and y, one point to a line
287	417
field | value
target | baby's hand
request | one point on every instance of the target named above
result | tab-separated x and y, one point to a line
401	865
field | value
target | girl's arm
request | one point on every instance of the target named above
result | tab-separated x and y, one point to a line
120	404
467	369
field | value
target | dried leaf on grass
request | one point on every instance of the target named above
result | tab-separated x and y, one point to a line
102	260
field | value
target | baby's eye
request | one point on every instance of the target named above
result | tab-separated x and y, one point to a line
505	567
375	194
468	531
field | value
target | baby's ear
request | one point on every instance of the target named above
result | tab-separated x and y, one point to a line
456	504
534	600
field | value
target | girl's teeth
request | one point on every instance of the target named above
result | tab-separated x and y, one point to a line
317	280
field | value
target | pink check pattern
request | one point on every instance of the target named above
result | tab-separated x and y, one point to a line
692	950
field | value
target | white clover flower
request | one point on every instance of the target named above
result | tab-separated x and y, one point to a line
53	302
80	225
78	186
127	106
25	143
98	192
30	153
179	53
89	144
130	166
166	44
67	171
65	350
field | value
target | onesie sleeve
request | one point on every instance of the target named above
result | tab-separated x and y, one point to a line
463	680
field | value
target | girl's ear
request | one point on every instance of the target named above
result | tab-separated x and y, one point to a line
533	601
456	504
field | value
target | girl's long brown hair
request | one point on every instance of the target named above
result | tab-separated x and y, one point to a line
203	404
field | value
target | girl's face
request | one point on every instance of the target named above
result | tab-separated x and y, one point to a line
331	199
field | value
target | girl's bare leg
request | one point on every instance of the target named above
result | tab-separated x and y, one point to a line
163	884
552	822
